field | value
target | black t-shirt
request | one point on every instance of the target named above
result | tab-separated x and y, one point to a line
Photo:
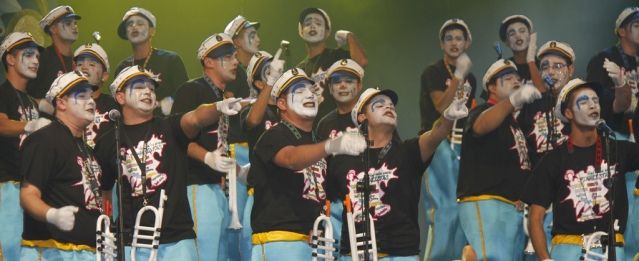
495	163
50	66
394	198
167	64
240	89
522	69
63	169
270	119
285	199
573	185
596	72
534	119
164	144
188	97
103	105
332	124
437	78
18	106
316	68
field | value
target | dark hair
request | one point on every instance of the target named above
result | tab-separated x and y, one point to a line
13	51
503	34
453	27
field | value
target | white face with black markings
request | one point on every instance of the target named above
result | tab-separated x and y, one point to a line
302	100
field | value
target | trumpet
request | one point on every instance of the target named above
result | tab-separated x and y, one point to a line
222	131
356	241
104	240
326	243
150	235
529	250
283	47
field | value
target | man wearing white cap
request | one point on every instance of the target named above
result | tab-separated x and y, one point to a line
18	117
208	163
440	83
288	172
154	158
395	171
92	60
572	178
495	166
138	26
247	41
61	184
61	24
516	31
314	27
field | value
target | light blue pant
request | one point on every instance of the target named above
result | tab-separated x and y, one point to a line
234	237
547	231
282	251
10	220
387	258
210	211
181	250
53	254
445	236
492	227
573	252
246	245
337	207
631	235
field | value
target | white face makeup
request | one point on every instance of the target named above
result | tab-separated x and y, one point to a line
314	28
138	29
81	105
343	88
302	100
454	43
250	40
557	69
585	108
507	84
632	32
68	29
381	110
227	66
28	62
517	36
140	95
92	68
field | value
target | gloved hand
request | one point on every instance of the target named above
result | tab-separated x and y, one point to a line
63	218
242	173
532	48
217	161
166	104
35	125
457	109
462	67
45	106
524	95
230	106
341	37
276	69
616	73
349	143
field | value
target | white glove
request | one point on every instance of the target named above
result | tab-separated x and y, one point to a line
242	174
457	109
35	125
462	67
532	48
230	106
341	37
524	95
63	217
349	143
45	106
616	73
166	104
276	69
217	161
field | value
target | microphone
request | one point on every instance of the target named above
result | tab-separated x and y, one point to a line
114	115
604	128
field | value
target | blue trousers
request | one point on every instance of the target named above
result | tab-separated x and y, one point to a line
246	245
282	251
53	254
573	252
181	250
10	220
210	211
234	237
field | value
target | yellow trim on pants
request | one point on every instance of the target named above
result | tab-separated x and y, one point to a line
637	192
51	243
485	197
277	235
250	191
579	239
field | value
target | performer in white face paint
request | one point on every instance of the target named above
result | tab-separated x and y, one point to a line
314	27
62	178
517	32
61	24
247	42
572	178
138	26
18	117
288	172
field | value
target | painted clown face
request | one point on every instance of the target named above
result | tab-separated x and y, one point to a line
302	100
140	95
314	28
632	32
68	29
92	68
28	62
344	87
226	66
507	84
81	105
138	29
557	69
454	43
250	40
517	36
381	110
585	108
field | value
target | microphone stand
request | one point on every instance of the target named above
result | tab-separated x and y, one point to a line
364	187
611	197
120	222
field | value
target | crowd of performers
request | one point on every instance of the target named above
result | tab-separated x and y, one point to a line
260	158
